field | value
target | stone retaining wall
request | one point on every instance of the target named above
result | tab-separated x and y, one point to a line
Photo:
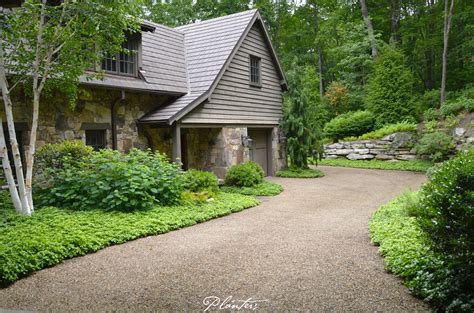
398	146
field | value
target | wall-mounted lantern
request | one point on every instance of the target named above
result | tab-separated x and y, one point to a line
247	141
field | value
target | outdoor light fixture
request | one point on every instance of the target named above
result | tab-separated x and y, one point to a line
247	141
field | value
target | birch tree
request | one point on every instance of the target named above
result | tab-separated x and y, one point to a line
447	26
50	45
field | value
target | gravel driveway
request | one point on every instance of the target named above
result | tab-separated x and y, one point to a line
306	249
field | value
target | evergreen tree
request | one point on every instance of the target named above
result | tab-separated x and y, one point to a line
390	89
302	138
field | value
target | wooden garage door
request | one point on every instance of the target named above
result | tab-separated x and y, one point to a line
259	150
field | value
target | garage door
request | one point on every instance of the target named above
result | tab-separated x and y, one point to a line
259	150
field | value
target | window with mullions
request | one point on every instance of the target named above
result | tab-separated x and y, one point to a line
124	62
255	71
96	138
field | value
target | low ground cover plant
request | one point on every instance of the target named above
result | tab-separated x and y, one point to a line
414	166
52	235
244	175
428	238
293	172
108	180
265	188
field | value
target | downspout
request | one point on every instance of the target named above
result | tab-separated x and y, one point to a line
113	118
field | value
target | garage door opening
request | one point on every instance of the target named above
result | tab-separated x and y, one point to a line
260	151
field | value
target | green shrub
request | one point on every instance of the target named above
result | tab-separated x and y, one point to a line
389	129
53	156
390	90
431	114
109	180
244	175
265	188
199	181
430	126
409	254
430	99
293	172
51	235
437	146
446	214
349	124
455	106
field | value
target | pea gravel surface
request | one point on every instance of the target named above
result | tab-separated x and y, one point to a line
307	249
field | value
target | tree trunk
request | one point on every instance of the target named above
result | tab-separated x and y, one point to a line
320	69
13	142
8	171
370	28
395	21
32	149
447	26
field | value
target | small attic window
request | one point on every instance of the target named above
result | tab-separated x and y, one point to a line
124	63
255	71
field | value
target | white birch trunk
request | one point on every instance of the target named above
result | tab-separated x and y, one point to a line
13	142
8	171
32	150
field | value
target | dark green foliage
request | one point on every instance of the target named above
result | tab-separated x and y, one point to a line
430	99
446	214
431	115
390	90
108	180
349	124
437	146
244	175
299	173
301	134
265	188
199	181
407	253
414	166
52	235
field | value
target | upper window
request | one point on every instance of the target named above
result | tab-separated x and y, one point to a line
124	62
255	71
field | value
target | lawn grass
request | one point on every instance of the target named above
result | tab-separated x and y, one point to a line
299	173
51	235
414	166
264	189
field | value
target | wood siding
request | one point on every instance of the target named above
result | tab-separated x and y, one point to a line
234	100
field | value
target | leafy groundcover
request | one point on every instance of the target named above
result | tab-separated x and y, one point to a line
413	166
263	189
52	235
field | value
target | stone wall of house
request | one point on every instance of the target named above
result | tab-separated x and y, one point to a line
279	157
398	146
58	121
214	149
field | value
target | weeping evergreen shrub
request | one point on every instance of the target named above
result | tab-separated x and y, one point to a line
302	138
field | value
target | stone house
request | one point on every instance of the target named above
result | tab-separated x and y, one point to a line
208	93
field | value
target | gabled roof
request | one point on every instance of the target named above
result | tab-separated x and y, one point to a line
209	48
